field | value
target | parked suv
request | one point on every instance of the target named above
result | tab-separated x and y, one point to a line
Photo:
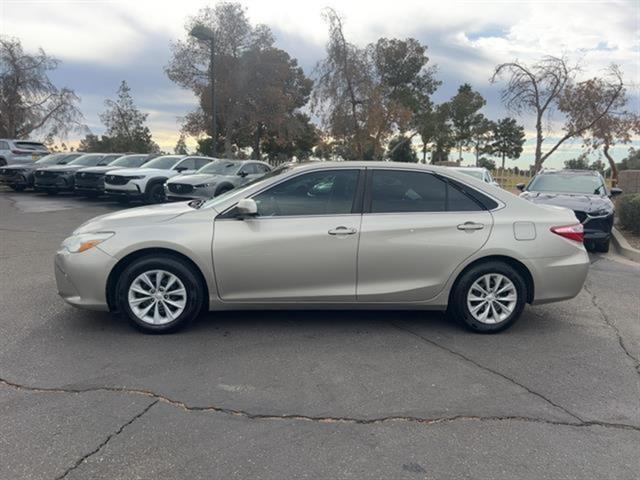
20	151
90	181
61	178
147	182
215	179
21	175
584	192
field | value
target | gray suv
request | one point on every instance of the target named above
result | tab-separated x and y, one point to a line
20	151
214	179
21	175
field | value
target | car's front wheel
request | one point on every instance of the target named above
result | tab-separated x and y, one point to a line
18	188
601	246
155	193
489	297
159	294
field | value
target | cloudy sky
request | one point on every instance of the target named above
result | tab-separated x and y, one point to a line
101	43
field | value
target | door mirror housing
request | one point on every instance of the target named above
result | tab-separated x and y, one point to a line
520	186
242	174
615	191
247	207
181	169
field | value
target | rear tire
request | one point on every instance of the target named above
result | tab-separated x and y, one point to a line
175	294
489	297
18	188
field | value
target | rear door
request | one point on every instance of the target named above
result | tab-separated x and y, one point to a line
416	229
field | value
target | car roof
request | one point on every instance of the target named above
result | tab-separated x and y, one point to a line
568	171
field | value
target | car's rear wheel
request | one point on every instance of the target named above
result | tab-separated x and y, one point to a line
18	188
159	294
489	297
155	193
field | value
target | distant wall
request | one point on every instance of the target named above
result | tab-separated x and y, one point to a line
629	181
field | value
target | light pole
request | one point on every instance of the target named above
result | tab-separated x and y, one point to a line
205	34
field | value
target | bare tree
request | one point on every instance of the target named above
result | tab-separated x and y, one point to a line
539	88
29	101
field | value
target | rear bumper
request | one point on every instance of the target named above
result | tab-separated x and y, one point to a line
558	278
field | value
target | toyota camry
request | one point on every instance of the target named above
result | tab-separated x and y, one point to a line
346	235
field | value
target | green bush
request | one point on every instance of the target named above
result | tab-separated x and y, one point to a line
629	212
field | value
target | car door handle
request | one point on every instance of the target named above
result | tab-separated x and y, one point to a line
342	231
470	226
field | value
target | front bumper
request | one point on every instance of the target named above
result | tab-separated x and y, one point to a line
130	190
18	180
81	278
91	186
57	184
195	193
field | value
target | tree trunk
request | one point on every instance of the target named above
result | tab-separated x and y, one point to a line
612	164
539	138
256	143
424	153
477	154
227	143
503	162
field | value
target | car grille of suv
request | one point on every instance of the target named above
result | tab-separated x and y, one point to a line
180	188
581	216
116	180
89	177
46	174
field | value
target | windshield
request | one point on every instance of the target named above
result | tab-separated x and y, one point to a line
68	157
90	160
554	182
30	146
221	167
240	190
472	173
129	161
163	163
51	159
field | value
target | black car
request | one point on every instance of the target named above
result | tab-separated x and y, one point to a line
19	176
584	192
90	181
60	178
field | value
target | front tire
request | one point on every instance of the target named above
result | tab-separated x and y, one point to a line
489	297
601	246
155	194
18	188
159	294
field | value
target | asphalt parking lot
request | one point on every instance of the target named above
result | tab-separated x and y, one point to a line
327	395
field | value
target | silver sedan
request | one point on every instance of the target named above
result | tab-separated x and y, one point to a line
329	235
214	179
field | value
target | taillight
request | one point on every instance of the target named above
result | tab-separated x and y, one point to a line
573	232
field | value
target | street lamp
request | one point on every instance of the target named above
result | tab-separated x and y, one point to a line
207	35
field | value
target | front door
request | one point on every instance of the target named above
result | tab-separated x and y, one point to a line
302	245
415	231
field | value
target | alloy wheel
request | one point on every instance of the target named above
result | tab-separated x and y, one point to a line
492	298
157	297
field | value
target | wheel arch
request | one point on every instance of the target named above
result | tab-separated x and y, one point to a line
153	181
116	271
517	265
223	185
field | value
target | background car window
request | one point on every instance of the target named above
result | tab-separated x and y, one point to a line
4	146
201	162
329	192
249	169
398	191
567	183
262	168
187	164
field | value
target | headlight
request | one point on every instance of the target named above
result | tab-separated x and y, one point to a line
600	213
85	241
205	185
135	177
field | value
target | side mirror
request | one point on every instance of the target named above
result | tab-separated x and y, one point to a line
247	207
181	169
615	191
520	186
242	174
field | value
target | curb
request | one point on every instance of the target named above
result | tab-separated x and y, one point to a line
623	247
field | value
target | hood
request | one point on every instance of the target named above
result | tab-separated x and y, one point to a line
196	178
574	201
103	169
129	172
140	216
65	168
24	166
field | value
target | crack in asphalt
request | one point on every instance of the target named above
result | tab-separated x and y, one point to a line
612	326
487	369
86	456
308	418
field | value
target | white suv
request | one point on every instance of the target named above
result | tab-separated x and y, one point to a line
147	182
20	151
